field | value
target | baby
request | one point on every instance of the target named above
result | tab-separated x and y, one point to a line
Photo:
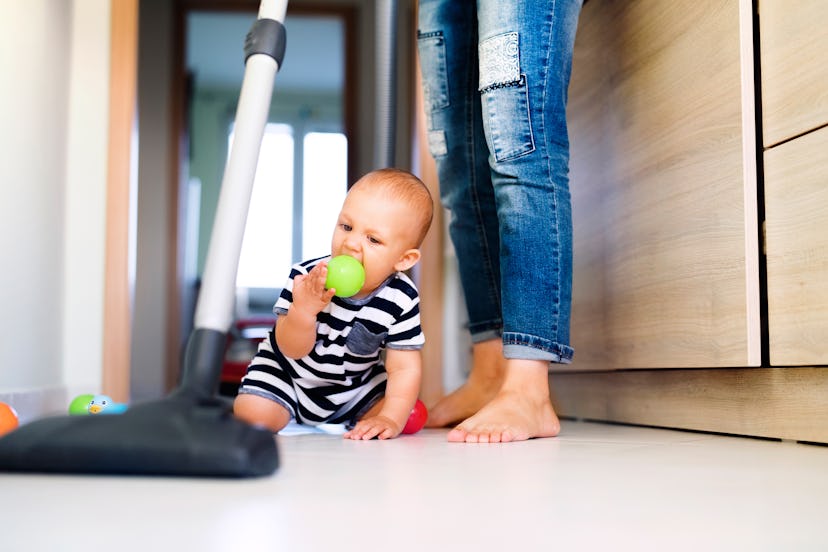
322	362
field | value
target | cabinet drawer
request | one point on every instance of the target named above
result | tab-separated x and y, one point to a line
665	246
796	209
794	40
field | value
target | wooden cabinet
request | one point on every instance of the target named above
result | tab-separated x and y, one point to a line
666	205
661	119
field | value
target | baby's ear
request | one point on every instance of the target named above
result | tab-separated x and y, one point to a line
407	260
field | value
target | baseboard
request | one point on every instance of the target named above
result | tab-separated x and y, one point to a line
31	404
776	403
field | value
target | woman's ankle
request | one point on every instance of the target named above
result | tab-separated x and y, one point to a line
488	364
529	377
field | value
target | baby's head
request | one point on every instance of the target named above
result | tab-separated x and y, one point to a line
383	222
399	189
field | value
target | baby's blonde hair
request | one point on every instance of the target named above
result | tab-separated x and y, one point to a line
404	186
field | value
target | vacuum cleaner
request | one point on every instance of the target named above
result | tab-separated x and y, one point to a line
192	432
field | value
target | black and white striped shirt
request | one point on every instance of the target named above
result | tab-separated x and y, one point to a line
345	364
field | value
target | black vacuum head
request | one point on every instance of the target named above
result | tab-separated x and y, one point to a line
180	435
190	433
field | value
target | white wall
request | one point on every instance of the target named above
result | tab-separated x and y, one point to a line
54	57
86	173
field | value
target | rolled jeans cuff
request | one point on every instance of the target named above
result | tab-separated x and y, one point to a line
528	347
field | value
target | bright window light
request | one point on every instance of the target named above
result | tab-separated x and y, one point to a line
266	250
325	172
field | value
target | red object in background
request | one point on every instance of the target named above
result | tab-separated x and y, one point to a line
417	418
242	344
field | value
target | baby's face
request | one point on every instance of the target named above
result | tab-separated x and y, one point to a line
377	230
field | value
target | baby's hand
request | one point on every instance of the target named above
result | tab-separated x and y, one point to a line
375	426
309	293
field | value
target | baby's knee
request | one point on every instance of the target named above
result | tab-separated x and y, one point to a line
259	411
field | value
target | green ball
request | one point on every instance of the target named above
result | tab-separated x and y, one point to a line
78	405
346	275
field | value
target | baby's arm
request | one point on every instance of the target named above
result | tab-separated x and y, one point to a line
296	330
404	369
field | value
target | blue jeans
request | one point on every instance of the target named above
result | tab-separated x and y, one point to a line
495	79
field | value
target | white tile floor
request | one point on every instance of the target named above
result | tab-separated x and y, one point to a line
595	487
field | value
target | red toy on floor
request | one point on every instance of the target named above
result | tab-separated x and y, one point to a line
417	418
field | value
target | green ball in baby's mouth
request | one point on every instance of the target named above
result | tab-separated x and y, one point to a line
346	275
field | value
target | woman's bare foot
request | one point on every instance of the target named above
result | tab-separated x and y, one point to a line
485	379
521	410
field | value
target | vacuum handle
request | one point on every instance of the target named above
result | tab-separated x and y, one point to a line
217	296
264	48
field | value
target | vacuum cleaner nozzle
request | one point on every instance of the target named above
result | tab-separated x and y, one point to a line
190	433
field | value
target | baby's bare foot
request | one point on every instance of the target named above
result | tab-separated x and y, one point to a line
521	410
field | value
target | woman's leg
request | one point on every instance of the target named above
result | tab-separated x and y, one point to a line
447	40
525	60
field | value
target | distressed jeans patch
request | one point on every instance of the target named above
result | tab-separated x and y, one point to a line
437	143
499	60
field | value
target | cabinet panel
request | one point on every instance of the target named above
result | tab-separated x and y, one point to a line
663	186
796	210
794	39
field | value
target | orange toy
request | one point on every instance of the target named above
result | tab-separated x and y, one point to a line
8	418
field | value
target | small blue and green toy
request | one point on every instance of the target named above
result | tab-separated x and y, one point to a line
87	404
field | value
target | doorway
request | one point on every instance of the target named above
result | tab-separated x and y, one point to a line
164	291
193	96
295	196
